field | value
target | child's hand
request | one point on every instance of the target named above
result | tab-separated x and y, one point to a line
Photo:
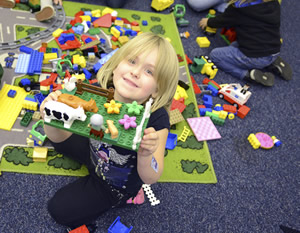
57	2
203	23
51	96
149	143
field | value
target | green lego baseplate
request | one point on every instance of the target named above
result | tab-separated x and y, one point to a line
125	137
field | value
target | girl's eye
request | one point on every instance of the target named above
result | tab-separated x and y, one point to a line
131	61
149	72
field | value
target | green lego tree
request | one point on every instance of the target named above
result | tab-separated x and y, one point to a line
17	155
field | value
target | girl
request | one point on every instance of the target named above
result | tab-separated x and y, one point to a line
257	26
144	67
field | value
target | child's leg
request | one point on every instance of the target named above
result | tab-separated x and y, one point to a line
81	202
231	60
203	4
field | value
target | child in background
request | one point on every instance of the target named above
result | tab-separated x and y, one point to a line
202	5
257	26
138	71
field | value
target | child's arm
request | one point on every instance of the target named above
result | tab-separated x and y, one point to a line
152	148
226	19
54	134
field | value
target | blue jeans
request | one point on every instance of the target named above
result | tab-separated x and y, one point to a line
231	60
202	5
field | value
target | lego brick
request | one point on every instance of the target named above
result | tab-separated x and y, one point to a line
203	128
10	107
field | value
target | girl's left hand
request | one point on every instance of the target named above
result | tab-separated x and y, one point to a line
56	2
149	143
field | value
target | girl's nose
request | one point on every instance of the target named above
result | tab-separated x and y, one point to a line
135	73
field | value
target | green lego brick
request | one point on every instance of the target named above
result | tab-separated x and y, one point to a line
125	137
26	119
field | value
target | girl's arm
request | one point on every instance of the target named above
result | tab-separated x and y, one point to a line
150	163
54	134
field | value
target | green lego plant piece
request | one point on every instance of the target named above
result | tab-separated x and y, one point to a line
134	108
125	137
26	119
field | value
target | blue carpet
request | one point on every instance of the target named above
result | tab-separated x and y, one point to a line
257	190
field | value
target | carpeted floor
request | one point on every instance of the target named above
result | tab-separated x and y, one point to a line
257	190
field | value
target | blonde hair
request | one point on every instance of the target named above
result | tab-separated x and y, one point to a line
166	66
242	1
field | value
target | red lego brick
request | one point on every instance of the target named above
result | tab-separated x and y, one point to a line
178	104
79	13
134	23
81	229
189	61
243	111
205	81
196	88
229	108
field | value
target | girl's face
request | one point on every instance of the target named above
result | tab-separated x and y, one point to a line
134	78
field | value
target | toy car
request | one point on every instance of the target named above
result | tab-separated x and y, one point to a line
27	83
234	94
37	133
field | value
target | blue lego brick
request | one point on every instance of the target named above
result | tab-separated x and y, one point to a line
102	41
88	40
207	101
69	36
128	32
75	67
202	111
11	93
218	108
118	227
61	40
22	64
94	18
144	22
106	58
120	30
88	13
35	63
88	75
78	30
133	33
54	50
213	90
25	49
97	67
171	141
39	98
88	23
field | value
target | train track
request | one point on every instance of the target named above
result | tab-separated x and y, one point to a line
58	22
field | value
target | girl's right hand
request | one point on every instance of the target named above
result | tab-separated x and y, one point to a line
52	96
203	23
